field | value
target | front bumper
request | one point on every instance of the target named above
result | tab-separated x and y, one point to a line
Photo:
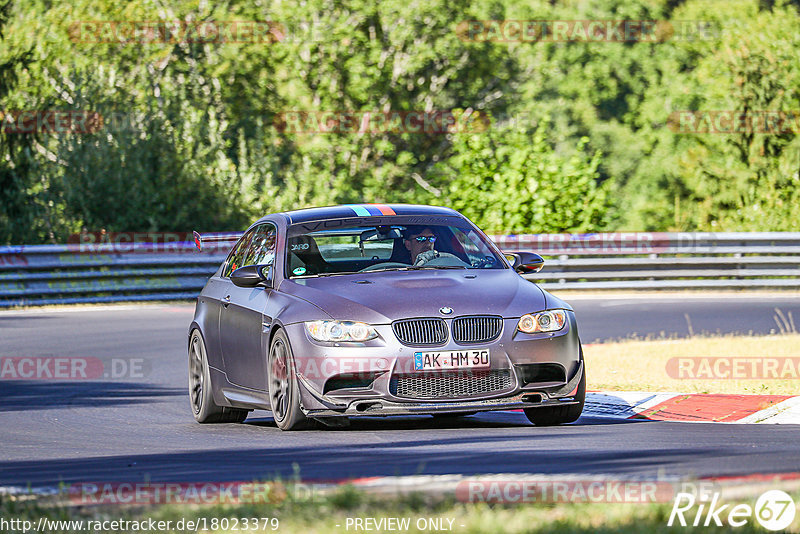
378	362
384	407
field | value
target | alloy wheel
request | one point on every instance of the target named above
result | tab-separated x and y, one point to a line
279	380
196	375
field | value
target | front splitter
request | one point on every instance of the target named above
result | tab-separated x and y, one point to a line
382	407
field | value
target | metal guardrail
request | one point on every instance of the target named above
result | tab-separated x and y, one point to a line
74	273
645	260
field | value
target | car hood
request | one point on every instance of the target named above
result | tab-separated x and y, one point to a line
382	297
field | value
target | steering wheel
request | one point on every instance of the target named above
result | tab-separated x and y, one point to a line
443	259
484	263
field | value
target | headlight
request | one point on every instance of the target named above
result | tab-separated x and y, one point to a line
340	331
546	321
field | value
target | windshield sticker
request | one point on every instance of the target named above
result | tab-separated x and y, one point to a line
299	271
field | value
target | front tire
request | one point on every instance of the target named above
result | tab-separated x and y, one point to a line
201	397
284	395
559	415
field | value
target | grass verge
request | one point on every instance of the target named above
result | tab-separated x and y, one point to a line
655	365
330	514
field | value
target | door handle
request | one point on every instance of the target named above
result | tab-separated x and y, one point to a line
226	301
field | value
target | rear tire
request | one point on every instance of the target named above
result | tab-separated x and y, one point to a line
201	397
284	394
559	415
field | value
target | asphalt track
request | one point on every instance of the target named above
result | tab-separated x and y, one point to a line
139	428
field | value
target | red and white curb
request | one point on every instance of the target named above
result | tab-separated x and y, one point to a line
706	408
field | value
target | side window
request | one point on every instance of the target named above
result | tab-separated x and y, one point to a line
262	246
236	258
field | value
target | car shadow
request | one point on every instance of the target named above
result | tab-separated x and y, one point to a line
404	422
24	395
498	419
290	456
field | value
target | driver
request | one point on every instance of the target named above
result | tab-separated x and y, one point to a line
420	243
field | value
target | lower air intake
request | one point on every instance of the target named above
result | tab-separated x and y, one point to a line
451	385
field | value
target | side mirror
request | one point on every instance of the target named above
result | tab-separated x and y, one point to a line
252	276
525	262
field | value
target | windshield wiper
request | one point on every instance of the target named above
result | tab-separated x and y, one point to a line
421	267
320	275
413	268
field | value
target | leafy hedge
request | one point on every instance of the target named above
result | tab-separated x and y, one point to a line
579	134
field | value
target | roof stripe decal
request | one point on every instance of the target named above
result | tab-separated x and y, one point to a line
384	209
361	211
365	210
372	209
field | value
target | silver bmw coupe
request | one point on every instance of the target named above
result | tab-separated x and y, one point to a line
324	314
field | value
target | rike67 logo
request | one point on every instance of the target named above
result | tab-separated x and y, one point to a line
774	510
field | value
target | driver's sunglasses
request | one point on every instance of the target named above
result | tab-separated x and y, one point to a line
423	238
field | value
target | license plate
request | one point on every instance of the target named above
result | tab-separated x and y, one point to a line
451	359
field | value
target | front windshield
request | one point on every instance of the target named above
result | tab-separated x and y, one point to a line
367	248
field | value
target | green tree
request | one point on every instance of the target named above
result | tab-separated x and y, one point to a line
740	181
512	181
